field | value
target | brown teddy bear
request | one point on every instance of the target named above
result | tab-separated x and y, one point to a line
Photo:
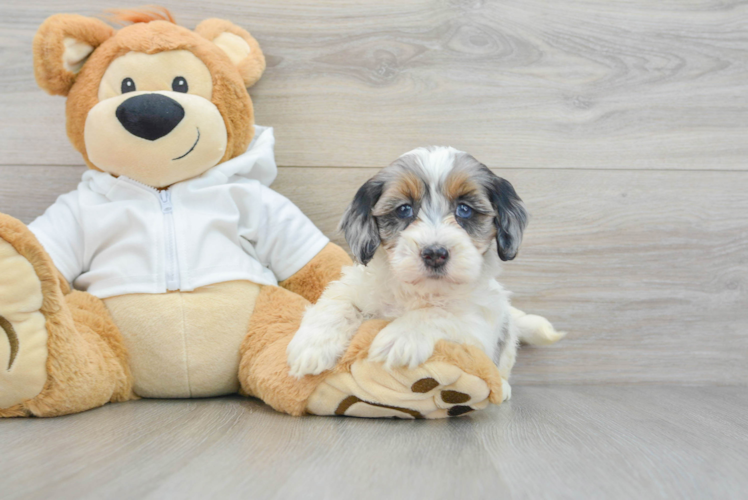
190	275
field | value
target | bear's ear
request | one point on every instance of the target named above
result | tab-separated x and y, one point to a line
61	47
238	44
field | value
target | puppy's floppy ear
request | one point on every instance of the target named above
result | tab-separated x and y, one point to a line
511	216
359	225
61	47
238	44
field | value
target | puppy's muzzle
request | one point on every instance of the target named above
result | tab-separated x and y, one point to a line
150	116
435	257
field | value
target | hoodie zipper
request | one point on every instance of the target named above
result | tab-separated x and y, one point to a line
172	262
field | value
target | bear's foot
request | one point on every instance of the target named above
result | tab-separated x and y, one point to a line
456	380
23	331
433	390
60	352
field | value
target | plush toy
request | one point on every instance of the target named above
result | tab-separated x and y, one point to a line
189	275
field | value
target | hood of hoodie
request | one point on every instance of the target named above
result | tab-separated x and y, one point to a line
257	163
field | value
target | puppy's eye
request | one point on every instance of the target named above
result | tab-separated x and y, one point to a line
127	85
463	211
179	85
404	211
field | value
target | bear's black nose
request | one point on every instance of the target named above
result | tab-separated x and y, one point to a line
150	116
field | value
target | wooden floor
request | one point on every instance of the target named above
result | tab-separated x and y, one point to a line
623	126
548	442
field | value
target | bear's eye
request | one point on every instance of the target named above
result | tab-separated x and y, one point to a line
128	85
179	84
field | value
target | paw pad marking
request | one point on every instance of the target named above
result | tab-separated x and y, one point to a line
456	411
352	400
12	339
424	385
421	386
455	397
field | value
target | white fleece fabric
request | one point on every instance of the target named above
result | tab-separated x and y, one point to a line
114	236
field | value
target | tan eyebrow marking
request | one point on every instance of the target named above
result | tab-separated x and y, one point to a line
409	186
459	183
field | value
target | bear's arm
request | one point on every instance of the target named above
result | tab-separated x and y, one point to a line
60	233
312	279
290	245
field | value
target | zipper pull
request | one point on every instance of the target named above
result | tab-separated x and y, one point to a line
165	199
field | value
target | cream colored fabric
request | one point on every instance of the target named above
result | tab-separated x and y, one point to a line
75	54
234	46
433	390
184	344
23	331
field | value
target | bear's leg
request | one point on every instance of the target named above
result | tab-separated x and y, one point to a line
59	353
456	380
263	370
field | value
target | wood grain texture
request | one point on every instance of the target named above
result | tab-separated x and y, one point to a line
646	270
548	442
518	83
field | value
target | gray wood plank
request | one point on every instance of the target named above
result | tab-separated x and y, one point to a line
521	84
548	442
646	270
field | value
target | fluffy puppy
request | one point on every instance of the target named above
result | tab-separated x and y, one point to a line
429	232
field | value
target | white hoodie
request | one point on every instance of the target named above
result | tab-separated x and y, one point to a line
115	236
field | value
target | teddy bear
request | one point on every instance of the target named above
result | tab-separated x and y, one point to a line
173	270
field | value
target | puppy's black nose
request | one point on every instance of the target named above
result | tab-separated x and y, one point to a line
434	256
150	116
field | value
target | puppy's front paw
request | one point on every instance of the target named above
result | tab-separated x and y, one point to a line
396	347
312	352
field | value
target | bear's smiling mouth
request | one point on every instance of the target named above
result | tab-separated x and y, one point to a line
193	147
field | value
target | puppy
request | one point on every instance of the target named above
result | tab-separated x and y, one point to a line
429	232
